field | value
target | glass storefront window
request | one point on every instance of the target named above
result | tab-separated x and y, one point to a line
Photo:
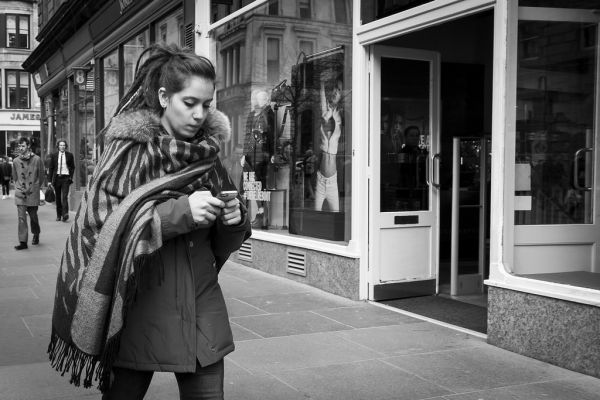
289	99
171	29
556	89
61	105
372	10
110	65
86	129
131	51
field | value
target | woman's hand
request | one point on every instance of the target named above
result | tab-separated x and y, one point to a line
205	208
232	215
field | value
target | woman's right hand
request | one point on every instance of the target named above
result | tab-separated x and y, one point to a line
205	208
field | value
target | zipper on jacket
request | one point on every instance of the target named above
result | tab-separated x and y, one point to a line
188	244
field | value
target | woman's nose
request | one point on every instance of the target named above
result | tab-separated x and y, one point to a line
200	112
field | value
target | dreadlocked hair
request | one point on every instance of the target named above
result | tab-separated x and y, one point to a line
167	66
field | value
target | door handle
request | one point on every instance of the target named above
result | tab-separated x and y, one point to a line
435	171
576	169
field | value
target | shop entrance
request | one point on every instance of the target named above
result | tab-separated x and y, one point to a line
431	91
405	196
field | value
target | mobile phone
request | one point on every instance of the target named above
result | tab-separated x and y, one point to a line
227	195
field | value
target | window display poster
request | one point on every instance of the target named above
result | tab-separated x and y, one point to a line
317	187
320	128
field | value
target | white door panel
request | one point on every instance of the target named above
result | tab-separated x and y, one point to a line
404	141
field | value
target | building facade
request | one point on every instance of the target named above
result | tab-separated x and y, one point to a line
386	149
86	61
19	103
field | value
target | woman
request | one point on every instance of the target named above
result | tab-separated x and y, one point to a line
137	290
331	131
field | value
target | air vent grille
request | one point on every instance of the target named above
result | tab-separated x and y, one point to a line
245	251
296	263
189	36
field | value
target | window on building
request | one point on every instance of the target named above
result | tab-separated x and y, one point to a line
110	65
273	7
306	47
555	119
84	113
231	65
277	156
17	89
341	11
17	31
171	29
304	9
272	60
131	51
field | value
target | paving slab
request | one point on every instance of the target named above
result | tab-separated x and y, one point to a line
411	338
365	316
299	351
239	308
289	323
485	367
301	301
371	379
576	389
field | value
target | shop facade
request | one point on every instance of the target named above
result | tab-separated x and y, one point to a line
82	75
19	103
393	149
464	162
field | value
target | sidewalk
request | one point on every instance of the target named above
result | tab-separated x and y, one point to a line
292	342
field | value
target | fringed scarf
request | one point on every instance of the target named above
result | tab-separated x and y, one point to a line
115	228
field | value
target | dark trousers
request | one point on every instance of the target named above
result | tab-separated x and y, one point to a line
5	187
61	188
35	224
204	384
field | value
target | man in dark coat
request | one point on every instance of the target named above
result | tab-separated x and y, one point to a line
62	167
5	176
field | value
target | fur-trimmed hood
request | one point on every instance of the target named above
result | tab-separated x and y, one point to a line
143	125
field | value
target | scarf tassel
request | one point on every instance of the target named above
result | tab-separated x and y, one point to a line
65	357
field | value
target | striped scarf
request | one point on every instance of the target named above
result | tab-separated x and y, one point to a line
116	227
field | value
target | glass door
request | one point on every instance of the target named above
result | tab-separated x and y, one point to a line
556	218
404	143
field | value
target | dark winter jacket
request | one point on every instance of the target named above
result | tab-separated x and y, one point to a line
53	170
179	313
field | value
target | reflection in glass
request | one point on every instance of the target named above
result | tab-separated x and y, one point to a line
288	96
110	66
85	120
171	29
404	135
131	51
556	83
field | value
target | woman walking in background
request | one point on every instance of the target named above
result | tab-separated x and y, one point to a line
138	287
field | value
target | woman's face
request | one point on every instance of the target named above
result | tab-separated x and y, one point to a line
187	109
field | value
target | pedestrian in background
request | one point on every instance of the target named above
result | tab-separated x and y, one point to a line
151	236
5	176
60	174
27	174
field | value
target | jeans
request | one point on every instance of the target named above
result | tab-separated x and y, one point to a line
62	195
5	187
327	189
204	384
33	216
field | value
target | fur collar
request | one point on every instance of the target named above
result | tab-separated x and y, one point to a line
143	125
